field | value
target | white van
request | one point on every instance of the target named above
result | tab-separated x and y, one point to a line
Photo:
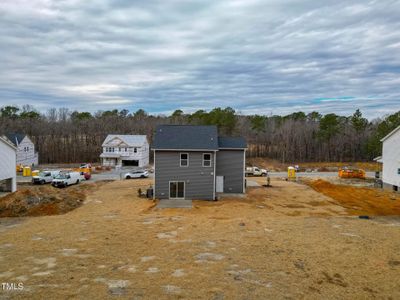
44	177
66	178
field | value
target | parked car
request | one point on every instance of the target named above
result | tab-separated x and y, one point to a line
85	166
44	177
66	178
137	174
256	171
86	175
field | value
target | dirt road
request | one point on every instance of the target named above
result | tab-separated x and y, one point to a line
287	241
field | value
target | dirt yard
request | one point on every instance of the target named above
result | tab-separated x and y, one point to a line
287	242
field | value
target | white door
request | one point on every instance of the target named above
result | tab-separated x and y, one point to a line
220	184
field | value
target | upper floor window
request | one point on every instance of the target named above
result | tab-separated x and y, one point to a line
126	149
206	160
398	171
134	150
184	159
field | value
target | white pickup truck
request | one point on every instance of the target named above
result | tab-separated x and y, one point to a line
44	177
256	171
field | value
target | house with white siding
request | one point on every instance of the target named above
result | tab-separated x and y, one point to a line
26	154
125	150
8	164
391	160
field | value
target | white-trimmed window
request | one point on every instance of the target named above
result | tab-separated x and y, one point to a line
206	159
134	150
184	159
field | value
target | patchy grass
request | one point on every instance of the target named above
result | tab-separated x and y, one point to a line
258	247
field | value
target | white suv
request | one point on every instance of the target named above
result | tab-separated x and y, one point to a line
137	174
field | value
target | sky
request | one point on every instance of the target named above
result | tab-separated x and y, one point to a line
258	57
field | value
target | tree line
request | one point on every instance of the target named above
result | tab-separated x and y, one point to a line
64	136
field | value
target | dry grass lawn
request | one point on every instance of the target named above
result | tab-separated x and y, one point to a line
287	241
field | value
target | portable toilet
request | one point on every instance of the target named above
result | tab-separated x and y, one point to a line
35	173
26	172
291	173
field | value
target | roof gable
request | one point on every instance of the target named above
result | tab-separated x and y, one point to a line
390	134
15	138
186	137
129	140
6	141
116	141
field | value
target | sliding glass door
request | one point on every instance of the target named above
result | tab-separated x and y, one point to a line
176	189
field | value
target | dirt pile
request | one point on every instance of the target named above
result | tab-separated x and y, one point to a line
44	200
359	200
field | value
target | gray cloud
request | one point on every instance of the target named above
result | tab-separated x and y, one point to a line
257	56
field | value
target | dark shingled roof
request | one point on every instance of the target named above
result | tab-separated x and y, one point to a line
194	137
186	137
15	138
232	143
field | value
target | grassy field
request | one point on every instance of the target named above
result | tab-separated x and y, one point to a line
286	241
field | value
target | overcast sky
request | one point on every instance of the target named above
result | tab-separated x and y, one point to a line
271	56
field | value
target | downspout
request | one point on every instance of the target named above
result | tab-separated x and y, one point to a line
154	181
244	171
215	162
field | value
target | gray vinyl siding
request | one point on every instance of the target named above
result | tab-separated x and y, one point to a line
230	165
199	180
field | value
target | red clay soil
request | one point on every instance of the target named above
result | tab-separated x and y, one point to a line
44	200
359	200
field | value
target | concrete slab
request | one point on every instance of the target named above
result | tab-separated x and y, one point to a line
3	194
253	183
174	203
230	195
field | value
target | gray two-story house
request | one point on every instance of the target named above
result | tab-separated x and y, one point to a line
193	162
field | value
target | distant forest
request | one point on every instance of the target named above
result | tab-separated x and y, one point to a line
64	136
